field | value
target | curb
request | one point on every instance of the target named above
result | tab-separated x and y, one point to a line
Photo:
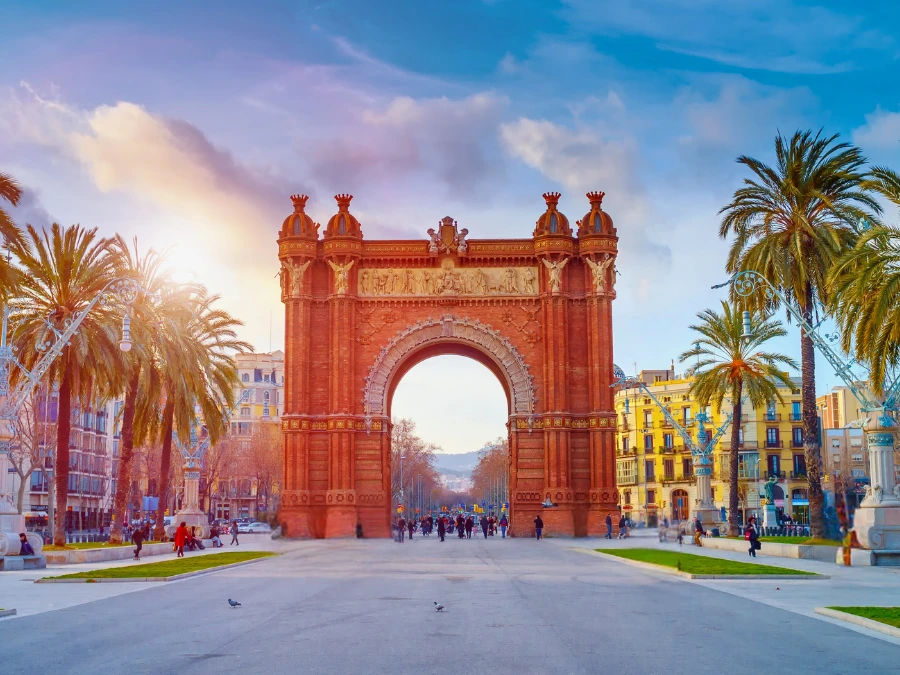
128	580
702	577
7	612
859	621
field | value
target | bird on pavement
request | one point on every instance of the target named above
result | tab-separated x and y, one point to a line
438	607
234	603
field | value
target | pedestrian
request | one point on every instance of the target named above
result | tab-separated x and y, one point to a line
147	531
214	536
460	526
504	523
681	535
470	525
24	547
698	531
180	538
442	528
412	527
538	527
608	526
234	533
137	537
484	526
623	528
401	529
359	532
751	534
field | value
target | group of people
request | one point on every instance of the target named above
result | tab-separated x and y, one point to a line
623	527
464	526
183	538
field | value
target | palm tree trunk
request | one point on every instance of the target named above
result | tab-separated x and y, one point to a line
811	424
126	458
61	474
165	465
733	505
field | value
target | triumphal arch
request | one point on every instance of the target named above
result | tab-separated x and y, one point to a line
536	311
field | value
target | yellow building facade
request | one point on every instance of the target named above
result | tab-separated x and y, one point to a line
654	469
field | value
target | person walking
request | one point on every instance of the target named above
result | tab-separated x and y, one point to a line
401	529
460	526
411	525
234	533
442	528
470	525
751	534
623	528
608	526
137	537
180	539
504	523
698	531
359	530
538	527
484	526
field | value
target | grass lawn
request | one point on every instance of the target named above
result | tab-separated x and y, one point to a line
888	615
170	568
806	541
84	545
697	564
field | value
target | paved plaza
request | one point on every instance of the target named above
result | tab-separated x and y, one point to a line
513	606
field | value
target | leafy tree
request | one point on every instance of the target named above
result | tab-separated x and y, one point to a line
791	222
732	365
11	192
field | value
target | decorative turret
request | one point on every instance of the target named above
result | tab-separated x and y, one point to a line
343	223
596	221
552	221
299	224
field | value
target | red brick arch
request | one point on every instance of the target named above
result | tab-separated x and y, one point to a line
359	314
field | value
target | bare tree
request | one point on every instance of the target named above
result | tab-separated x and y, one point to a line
413	461
35	442
490	476
220	462
264	461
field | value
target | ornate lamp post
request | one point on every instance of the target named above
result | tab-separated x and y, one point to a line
192	454
701	450
877	520
12	398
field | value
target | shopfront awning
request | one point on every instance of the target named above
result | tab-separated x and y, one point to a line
799	502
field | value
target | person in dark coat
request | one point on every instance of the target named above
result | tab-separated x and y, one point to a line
234	533
442	528
504	523
137	537
401	529
411	526
359	531
460	526
24	547
538	527
470	525
698	532
623	528
752	535
484	526
608	526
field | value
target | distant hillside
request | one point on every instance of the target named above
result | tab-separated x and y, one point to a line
456	464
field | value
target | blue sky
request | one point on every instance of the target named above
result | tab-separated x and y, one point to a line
189	126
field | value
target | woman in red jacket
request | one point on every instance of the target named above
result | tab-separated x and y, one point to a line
180	539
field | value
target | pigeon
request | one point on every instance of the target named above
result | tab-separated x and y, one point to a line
438	607
233	603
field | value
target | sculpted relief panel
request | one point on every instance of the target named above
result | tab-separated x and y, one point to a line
448	280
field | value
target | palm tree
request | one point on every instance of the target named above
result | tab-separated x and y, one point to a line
791	223
64	270
11	192
196	368
866	299
731	365
140	381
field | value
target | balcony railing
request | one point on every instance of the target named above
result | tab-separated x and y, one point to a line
796	417
796	443
776	474
666	449
771	417
630	479
798	475
774	444
748	472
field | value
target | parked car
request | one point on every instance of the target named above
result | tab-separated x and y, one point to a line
254	528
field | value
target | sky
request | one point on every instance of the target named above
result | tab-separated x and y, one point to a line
188	125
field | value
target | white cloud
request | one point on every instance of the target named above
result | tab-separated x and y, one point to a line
881	131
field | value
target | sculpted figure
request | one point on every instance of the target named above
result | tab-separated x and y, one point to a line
462	246
481	285
341	276
295	272
599	272
411	282
511	284
364	282
555	269
435	243
529	281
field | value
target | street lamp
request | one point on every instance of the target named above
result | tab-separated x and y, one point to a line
874	524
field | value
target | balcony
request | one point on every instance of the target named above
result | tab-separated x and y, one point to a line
798	475
678	478
666	449
771	417
796	417
774	444
629	479
666	424
631	452
776	474
797	444
746	472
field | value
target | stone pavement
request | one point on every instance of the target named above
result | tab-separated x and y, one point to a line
513	606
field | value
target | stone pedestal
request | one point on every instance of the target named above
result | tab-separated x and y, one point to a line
191	514
706	509
770	516
877	520
11	521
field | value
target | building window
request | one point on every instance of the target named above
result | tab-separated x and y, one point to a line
265	378
669	469
648	469
687	467
625	444
648	442
651	496
799	466
858	473
856	457
770	411
686	415
796	414
657	378
628	496
773	463
797	436
245	377
668	440
772	437
648	419
245	412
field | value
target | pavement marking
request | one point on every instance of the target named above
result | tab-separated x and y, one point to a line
859	621
687	575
